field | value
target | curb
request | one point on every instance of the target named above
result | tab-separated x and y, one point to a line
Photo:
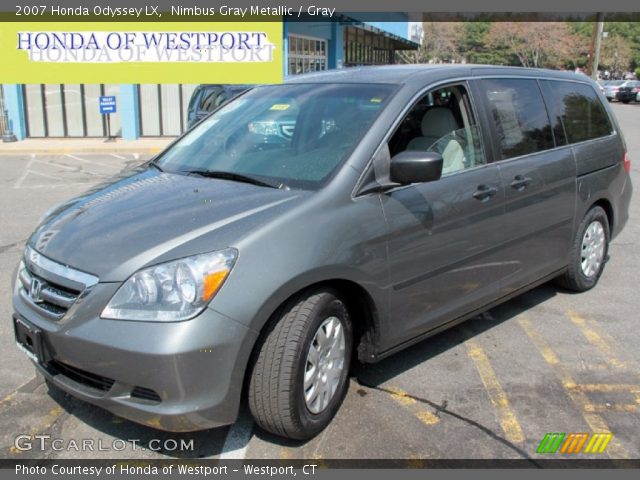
62	151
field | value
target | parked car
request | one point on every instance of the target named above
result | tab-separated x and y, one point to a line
406	200
611	89
206	98
629	91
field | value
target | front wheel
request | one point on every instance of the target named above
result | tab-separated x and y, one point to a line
301	370
588	253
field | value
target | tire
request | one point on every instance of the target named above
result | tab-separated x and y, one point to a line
575	278
276	387
625	101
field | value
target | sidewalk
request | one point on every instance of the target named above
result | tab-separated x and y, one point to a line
58	146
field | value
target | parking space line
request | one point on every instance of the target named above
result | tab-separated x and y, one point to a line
508	420
75	169
596	339
608	387
46	175
47	422
61	165
20	179
118	156
624	408
91	162
428	418
70	184
579	398
403	398
15	391
285	453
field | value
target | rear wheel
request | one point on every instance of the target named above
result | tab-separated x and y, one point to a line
300	374
588	253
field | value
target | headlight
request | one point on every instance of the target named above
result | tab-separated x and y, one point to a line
171	291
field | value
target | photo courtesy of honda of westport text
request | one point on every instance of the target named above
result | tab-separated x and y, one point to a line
323	239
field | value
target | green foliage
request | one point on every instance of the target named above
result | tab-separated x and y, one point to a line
474	47
630	31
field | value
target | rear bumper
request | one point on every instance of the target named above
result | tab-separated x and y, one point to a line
181	376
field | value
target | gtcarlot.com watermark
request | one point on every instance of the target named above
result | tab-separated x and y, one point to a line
25	443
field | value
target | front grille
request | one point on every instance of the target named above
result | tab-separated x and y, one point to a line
53	300
49	287
146	394
82	377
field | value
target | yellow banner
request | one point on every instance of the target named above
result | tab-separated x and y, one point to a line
145	52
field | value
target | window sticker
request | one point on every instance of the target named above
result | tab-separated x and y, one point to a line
280	106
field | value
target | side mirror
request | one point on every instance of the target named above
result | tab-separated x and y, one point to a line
415	167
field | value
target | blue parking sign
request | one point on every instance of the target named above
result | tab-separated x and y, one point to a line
107	104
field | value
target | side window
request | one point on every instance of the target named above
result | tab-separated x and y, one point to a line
442	121
576	111
520	116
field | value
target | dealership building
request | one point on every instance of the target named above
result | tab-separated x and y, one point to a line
72	110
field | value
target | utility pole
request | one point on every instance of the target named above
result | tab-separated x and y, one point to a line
596	41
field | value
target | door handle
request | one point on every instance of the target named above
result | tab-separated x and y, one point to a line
520	183
484	193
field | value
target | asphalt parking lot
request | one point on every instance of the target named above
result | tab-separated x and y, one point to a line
547	361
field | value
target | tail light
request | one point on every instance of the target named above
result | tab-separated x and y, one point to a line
626	161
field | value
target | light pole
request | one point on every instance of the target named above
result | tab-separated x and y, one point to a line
596	41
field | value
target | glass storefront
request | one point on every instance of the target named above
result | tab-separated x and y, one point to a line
69	110
307	54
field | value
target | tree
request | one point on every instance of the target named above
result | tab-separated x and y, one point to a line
440	44
614	27
474	46
534	44
615	54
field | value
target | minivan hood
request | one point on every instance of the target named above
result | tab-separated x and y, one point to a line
146	216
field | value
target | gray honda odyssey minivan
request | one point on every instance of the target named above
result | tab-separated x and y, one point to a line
244	262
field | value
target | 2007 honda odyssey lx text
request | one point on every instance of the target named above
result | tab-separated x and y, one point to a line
343	215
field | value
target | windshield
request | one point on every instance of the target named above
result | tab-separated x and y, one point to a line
295	135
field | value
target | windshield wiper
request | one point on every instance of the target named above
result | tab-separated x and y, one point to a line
153	163
238	177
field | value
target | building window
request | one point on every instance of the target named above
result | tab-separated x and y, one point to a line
362	47
306	54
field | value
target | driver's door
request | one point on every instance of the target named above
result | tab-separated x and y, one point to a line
444	236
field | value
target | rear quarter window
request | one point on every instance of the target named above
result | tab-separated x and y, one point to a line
520	118
576	111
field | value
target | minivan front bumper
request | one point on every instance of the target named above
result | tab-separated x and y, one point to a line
174	376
